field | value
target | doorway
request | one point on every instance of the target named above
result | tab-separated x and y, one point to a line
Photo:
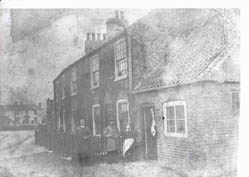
150	140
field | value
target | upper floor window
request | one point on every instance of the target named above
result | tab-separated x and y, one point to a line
94	72
175	122
57	91
63	87
74	81
120	51
235	102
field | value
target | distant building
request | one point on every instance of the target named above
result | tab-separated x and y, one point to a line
20	114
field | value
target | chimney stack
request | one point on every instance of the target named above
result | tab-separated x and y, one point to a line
117	24
93	41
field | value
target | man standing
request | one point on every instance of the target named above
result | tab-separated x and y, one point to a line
82	135
111	133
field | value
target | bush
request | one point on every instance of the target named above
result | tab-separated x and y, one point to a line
4	172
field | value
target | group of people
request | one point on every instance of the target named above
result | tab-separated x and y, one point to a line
111	133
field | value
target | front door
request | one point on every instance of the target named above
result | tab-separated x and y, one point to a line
150	140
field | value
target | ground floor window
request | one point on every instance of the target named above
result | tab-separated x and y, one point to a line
108	113
175	123
61	126
74	118
96	120
58	121
64	125
122	114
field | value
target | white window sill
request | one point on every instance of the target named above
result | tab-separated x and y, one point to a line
73	94
177	135
97	135
117	78
94	87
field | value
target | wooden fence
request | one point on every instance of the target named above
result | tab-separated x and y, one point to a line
64	144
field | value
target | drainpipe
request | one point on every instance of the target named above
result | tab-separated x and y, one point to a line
129	61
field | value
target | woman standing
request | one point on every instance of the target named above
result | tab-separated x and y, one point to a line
128	146
111	133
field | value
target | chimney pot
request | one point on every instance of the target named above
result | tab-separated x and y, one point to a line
93	36
104	36
116	14
88	36
98	36
122	14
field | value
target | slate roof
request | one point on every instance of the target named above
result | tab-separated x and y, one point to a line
196	42
155	24
193	58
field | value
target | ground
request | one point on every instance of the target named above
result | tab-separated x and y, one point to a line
20	157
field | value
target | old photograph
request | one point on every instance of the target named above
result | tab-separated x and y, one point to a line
94	92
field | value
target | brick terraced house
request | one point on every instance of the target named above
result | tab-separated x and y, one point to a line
174	69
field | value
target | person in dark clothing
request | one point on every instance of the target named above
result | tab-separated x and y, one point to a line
82	136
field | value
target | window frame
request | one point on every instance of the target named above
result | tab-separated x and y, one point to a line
57	91
93	119
73	119
117	108
63	82
64	120
92	72
232	92
58	121
174	104
117	77
73	92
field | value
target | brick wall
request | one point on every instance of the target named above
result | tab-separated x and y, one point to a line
108	92
138	62
212	130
